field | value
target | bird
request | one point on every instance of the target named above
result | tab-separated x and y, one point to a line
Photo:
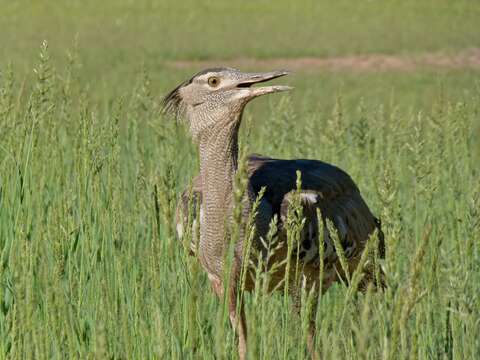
211	103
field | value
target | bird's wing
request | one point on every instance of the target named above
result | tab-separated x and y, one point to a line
280	176
326	186
186	213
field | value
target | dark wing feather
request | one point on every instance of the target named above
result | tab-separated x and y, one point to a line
280	176
339	198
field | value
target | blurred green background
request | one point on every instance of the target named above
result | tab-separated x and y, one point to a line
116	38
90	171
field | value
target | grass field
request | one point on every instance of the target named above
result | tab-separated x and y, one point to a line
90	171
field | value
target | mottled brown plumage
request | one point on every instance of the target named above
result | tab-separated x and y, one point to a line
212	102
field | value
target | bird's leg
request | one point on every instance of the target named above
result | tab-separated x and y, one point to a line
237	314
310	336
311	314
311	340
237	318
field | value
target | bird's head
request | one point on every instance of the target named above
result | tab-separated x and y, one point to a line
217	96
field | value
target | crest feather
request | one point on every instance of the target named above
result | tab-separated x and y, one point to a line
172	102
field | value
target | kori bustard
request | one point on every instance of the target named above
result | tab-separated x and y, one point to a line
212	103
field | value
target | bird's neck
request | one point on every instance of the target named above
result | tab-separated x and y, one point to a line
218	147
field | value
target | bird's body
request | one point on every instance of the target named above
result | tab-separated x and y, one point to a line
324	187
212	101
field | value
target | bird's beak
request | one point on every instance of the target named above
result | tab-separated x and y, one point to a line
254	78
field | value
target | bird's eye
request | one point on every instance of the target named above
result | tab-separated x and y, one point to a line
213	81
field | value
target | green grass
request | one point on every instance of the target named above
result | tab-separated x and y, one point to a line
90	171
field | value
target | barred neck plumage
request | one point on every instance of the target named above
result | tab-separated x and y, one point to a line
218	147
